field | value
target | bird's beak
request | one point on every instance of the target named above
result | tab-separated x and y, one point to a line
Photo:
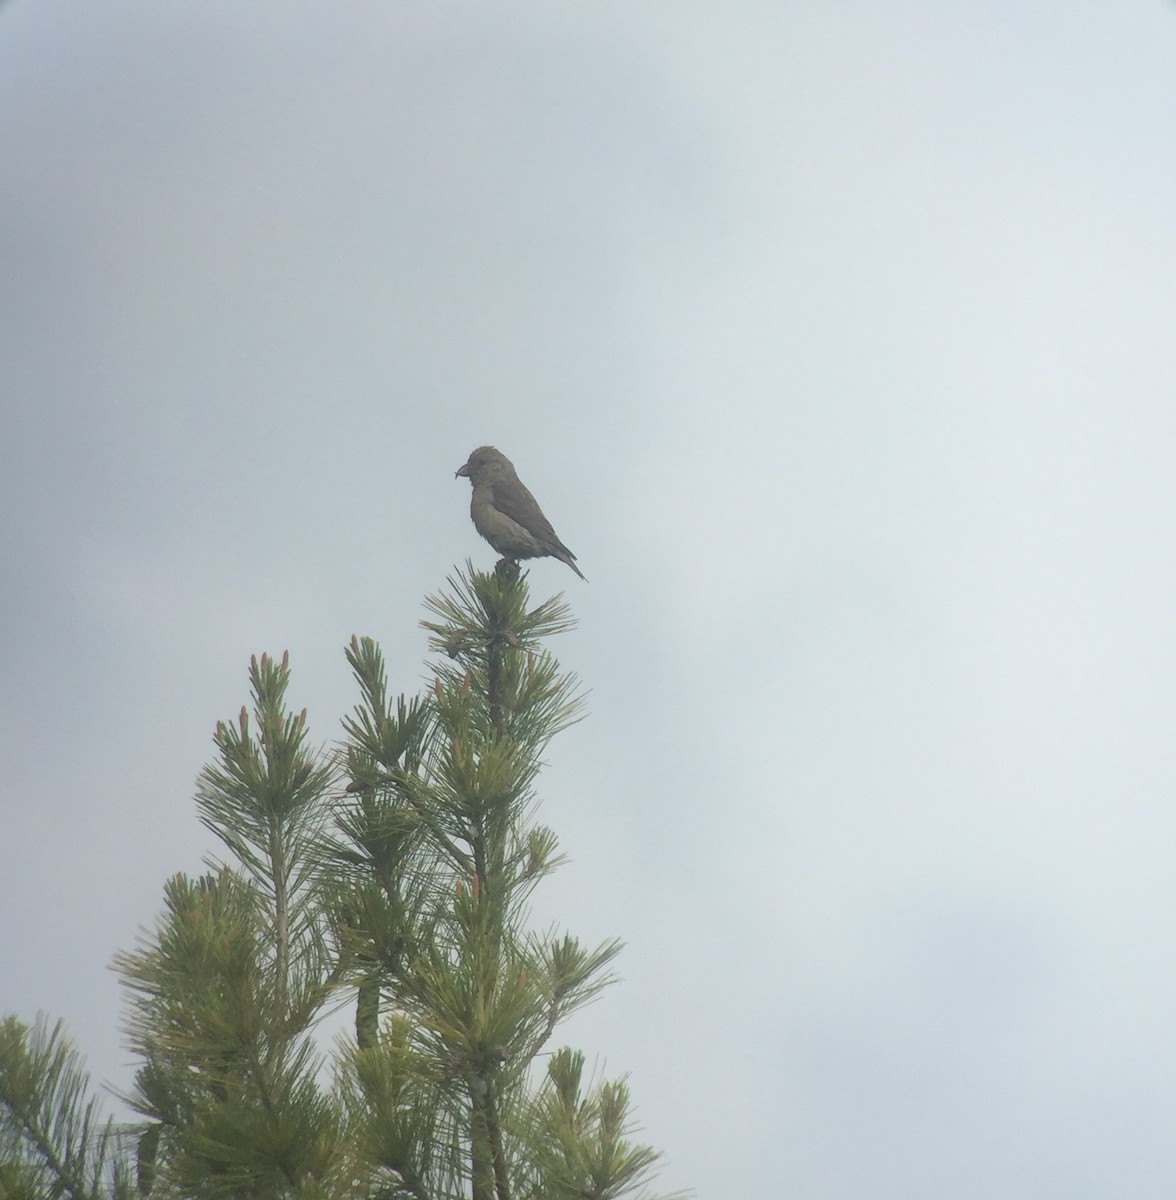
464	469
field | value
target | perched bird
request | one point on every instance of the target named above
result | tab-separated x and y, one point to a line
506	514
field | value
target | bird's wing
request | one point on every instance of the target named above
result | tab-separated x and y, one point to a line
513	500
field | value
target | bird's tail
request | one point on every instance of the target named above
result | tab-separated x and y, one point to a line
568	557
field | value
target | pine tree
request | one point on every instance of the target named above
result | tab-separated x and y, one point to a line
390	875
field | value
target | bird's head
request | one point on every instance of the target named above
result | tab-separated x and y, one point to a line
484	463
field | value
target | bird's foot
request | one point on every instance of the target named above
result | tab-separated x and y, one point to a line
507	568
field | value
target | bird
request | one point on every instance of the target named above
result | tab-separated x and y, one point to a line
506	514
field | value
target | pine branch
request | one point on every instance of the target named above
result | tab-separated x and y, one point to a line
47	1124
263	800
494	1132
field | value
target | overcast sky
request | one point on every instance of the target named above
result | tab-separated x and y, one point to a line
839	343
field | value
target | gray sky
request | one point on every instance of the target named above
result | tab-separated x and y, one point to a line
836	340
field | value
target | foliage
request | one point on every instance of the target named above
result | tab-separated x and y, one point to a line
53	1141
392	875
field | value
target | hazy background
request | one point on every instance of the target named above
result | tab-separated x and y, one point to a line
838	341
